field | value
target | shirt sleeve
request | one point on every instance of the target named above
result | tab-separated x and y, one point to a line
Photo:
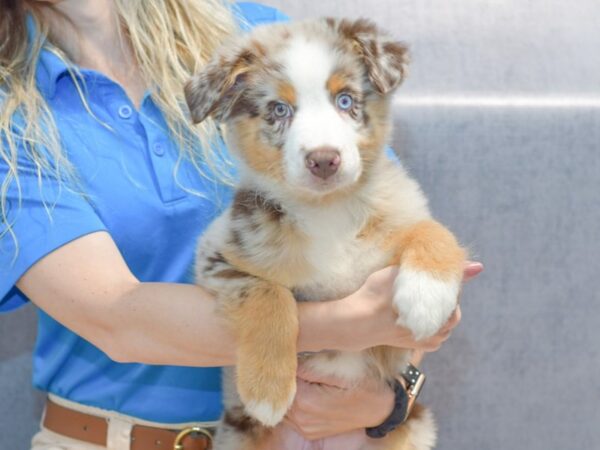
40	217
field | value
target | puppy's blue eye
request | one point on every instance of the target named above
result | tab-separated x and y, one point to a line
282	110
344	101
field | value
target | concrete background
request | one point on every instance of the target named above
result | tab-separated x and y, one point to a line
500	122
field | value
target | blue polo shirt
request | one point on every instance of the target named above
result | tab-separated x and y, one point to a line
127	171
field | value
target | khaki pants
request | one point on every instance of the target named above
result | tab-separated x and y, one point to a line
119	430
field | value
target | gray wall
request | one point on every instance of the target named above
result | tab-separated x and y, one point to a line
500	121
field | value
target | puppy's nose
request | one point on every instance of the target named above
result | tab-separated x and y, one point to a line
323	162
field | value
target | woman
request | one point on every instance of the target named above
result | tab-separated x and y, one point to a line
105	190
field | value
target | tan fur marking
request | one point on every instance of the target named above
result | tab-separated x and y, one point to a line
286	92
258	154
430	247
336	83
266	357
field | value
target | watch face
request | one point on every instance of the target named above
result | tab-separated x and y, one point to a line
411	374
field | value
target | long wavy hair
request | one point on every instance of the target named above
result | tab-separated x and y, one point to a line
170	40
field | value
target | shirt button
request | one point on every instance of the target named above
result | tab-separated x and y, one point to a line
158	149
125	111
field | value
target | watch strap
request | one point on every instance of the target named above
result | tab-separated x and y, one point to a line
404	400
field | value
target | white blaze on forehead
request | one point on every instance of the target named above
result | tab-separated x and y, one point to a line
308	64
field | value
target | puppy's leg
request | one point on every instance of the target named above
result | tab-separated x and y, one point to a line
427	286
264	318
238	431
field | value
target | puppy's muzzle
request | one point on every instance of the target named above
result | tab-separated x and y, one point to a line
323	162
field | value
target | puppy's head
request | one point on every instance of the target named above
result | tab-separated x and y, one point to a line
305	104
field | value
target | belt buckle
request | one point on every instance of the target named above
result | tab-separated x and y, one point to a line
178	444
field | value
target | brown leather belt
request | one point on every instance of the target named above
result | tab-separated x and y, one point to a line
93	429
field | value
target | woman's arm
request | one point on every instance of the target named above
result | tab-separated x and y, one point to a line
87	286
326	406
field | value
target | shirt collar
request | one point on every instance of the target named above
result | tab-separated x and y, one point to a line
50	67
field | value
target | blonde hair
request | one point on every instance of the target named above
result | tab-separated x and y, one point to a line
170	39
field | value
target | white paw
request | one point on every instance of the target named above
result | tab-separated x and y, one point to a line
424	303
266	413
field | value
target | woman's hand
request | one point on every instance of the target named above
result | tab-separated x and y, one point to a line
327	406
370	320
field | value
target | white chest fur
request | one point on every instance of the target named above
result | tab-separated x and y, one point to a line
340	261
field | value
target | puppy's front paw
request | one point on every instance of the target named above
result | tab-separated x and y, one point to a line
424	302
267	394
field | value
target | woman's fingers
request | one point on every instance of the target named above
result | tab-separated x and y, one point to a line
321	410
472	269
305	374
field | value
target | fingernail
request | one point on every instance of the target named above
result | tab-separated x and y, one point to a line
473	268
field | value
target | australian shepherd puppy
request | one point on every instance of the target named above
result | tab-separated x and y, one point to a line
305	107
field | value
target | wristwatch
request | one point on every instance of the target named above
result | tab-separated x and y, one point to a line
405	398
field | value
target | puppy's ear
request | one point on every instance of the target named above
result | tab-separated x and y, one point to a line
214	90
385	60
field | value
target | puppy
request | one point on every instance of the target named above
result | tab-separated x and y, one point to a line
305	107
